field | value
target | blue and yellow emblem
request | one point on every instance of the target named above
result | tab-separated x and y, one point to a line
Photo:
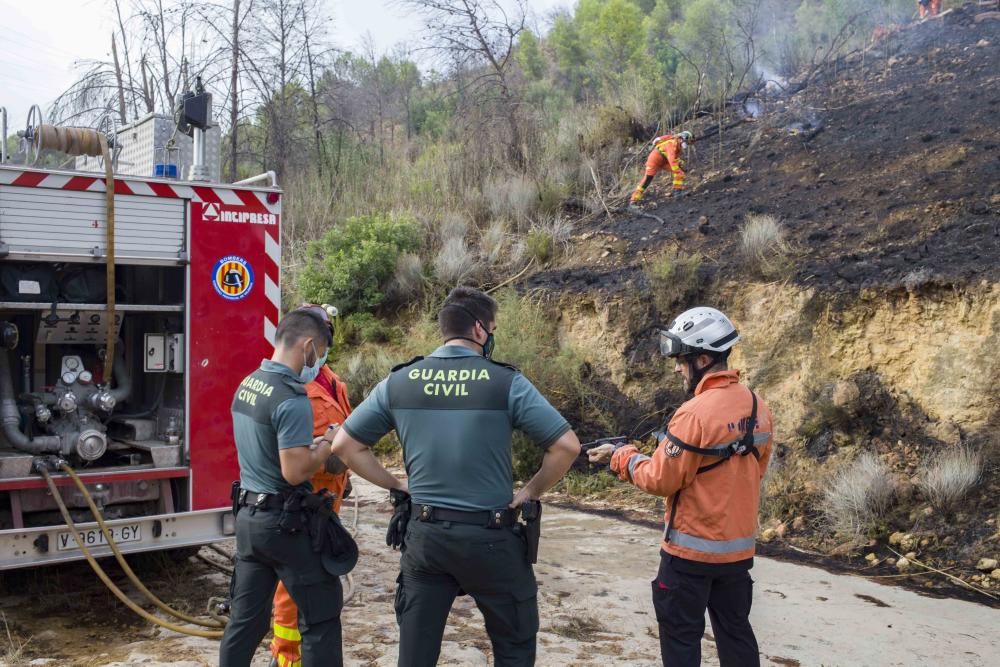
232	277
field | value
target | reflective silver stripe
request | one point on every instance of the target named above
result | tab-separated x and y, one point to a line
710	546
758	439
633	461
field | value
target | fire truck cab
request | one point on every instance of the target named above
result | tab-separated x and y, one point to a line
196	303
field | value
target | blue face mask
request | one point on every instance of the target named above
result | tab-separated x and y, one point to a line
310	373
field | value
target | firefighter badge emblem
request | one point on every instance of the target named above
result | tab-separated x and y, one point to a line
232	278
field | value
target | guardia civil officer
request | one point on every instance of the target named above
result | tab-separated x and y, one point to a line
454	412
273	429
710	463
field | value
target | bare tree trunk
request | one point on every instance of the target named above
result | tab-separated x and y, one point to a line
234	100
147	87
320	152
168	92
118	79
128	61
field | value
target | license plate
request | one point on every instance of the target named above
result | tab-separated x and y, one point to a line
95	538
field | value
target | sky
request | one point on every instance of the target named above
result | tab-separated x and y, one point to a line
40	40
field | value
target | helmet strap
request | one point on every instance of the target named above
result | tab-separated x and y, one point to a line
695	374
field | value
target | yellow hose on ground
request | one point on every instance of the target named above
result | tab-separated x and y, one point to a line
99	571
160	604
86	141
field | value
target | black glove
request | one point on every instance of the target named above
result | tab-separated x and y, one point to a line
400	517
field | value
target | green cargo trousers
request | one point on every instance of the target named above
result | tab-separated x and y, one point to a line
439	560
263	556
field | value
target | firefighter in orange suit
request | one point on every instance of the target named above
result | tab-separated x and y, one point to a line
928	8
330	405
710	463
667	152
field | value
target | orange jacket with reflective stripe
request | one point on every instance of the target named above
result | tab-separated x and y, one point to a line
669	147
714	512
328	410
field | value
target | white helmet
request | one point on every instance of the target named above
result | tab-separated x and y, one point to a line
698	331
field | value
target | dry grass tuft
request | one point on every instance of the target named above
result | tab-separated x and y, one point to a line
764	247
364	370
455	262
580	627
515	198
858	496
493	242
452	226
408	281
949	477
13	652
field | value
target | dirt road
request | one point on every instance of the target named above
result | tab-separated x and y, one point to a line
593	575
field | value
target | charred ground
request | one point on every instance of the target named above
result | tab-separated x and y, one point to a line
885	171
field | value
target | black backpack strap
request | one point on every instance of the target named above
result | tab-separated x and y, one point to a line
744	446
748	442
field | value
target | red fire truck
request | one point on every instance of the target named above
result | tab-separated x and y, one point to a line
197	299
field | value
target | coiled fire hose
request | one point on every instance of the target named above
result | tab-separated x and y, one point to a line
86	141
99	571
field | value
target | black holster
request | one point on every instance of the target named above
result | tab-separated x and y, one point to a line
292	519
531	512
234	496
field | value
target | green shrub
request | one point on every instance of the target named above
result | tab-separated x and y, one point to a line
614	126
582	484
388	447
363	371
360	328
550	197
540	245
527	457
353	264
673	277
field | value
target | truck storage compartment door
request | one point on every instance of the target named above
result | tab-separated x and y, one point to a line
234	303
43	221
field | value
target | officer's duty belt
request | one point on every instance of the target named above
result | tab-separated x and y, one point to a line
498	518
262	501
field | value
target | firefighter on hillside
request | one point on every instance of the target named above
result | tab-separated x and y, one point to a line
928	8
667	152
330	406
710	462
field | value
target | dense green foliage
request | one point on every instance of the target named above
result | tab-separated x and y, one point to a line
353	263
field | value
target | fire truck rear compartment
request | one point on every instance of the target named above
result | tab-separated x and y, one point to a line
55	401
